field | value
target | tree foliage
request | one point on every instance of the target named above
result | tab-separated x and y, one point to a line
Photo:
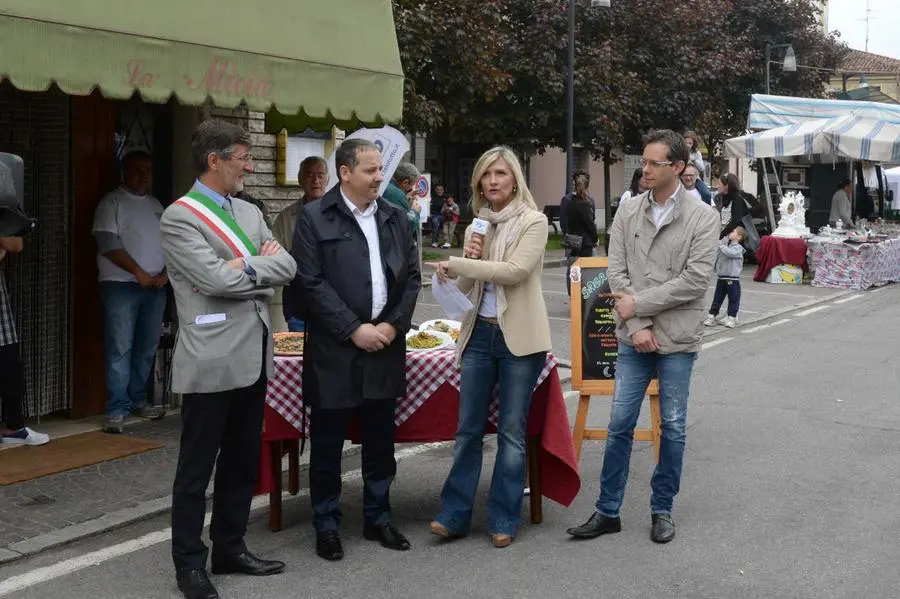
494	71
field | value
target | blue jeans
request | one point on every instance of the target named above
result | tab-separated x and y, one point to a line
730	288
132	317
633	373
485	363
437	223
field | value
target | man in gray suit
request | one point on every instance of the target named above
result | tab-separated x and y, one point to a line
223	263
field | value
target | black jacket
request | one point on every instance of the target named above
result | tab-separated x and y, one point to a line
738	210
580	221
333	292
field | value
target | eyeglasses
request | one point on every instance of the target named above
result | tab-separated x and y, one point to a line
654	163
246	158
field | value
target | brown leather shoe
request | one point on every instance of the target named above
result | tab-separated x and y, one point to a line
440	530
501	541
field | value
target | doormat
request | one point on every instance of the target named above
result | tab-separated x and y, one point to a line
26	463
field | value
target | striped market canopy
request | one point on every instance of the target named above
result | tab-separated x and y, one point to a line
852	136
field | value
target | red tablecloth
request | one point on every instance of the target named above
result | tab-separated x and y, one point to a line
779	250
435	419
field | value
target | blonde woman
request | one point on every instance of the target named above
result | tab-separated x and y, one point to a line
504	340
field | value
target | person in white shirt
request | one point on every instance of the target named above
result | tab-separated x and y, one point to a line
636	188
690	178
132	289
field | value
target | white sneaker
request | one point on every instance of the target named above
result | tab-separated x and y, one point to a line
710	320
434	245
446	246
26	436
730	322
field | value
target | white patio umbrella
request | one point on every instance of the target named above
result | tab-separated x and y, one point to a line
855	137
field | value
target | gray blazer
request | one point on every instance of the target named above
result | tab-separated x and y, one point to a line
213	353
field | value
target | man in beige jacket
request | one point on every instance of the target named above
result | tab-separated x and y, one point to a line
661	258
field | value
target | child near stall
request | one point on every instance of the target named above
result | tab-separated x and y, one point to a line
450	215
729	262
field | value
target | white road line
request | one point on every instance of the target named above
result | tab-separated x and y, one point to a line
745	290
95	558
878	290
765	326
812	310
716	342
849	299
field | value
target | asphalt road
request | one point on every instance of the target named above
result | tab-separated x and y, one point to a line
789	491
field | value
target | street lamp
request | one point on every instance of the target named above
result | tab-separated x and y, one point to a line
789	65
570	96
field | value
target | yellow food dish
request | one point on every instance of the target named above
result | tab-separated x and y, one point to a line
422	340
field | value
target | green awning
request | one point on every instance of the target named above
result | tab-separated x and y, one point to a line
326	60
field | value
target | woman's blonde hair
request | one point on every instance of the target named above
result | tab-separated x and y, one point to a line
521	191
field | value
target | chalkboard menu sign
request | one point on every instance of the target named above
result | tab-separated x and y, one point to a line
594	345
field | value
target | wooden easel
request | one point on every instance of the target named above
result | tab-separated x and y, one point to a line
588	388
580	432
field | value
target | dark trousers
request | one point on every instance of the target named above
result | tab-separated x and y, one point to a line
327	434
221	429
730	288
12	386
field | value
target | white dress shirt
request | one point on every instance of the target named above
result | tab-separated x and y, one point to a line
661	212
369	226
488	307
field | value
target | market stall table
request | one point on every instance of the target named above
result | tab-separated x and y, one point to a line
428	413
848	265
774	251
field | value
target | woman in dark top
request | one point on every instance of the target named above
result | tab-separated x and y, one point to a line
730	203
580	213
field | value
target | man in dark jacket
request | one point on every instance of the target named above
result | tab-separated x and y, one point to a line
358	281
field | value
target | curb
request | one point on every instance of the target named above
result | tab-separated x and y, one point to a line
773	314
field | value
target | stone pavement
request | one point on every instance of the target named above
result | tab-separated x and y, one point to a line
33	513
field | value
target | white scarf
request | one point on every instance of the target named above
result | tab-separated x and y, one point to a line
507	225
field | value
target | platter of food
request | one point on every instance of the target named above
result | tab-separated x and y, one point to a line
288	344
451	327
427	340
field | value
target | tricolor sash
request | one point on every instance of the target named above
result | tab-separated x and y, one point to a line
221	223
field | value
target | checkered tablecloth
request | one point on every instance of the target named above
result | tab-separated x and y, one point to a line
425	372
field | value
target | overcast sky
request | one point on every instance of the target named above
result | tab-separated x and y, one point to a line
848	17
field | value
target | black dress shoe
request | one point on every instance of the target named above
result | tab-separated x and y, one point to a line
388	536
245	563
328	545
597	525
195	584
663	529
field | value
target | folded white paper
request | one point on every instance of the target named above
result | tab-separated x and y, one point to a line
209	318
453	301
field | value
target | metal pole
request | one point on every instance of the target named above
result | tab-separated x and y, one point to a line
768	67
570	101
